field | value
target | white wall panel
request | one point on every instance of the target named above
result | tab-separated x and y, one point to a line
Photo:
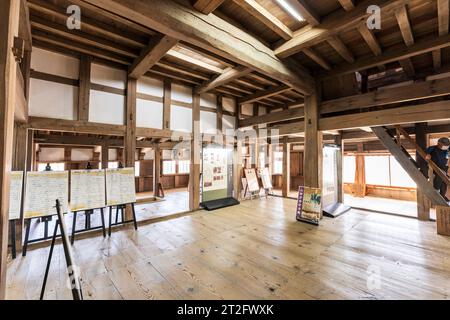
228	122
181	119
51	154
149	114
247	109
112	154
108	76
208	122
208	100
54	63
52	100
229	104
82	154
107	108
181	93
150	86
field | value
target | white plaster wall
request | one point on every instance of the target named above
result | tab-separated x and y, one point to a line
228	122
54	63
208	100
229	104
181	119
108	76
51	154
52	100
208	122
82	154
112	154
107	108
150	86
181	93
149	114
149	155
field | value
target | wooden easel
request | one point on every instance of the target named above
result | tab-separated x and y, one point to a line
121	208
75	280
160	191
87	225
12	226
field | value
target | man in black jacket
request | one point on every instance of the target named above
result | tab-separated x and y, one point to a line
439	154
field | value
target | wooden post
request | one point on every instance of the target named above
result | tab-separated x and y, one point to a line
423	203
237	170
340	168
130	136
167	102
105	155
194	176
286	185
67	158
156	170
84	89
359	189
219	113
19	164
9	25
31	151
313	141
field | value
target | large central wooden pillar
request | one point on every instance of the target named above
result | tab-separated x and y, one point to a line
194	176
286	184
130	135
313	140
9	25
423	204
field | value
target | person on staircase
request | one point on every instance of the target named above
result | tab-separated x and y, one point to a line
439	154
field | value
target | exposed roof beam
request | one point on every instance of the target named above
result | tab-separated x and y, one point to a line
306	11
24	25
284	115
341	48
405	27
268	19
408	67
157	48
315	56
347	4
394	54
443	24
370	39
207	6
194	61
264	94
227	76
209	32
330	25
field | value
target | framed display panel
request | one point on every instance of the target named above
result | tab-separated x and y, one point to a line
87	190
15	194
266	179
330	181
120	186
252	180
42	190
309	205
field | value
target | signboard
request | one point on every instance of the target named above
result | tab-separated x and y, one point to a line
87	189
309	205
42	190
252	180
330	187
215	173
266	179
15	194
120	186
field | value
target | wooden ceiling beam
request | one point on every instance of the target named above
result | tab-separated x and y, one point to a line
331	25
268	19
24	25
316	57
443	25
227	76
191	60
210	32
207	6
157	48
305	10
273	91
341	48
348	5
289	114
404	23
370	39
391	55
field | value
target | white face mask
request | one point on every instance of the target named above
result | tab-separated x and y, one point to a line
445	148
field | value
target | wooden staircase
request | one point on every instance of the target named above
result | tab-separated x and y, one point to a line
397	149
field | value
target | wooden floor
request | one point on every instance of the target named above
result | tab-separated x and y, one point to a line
254	251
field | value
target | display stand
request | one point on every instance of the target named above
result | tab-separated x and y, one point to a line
27	240
121	208
87	225
75	280
160	191
12	226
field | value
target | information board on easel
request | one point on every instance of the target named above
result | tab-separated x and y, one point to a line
42	188
252	180
309	205
87	190
120	186
15	194
266	180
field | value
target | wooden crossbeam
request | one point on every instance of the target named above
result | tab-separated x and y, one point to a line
347	4
211	33
316	57
341	48
227	76
289	114
370	39
443	25
408	37
157	48
305	10
331	25
207	6
273	91
268	19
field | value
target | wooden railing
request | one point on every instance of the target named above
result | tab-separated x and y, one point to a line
422	153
